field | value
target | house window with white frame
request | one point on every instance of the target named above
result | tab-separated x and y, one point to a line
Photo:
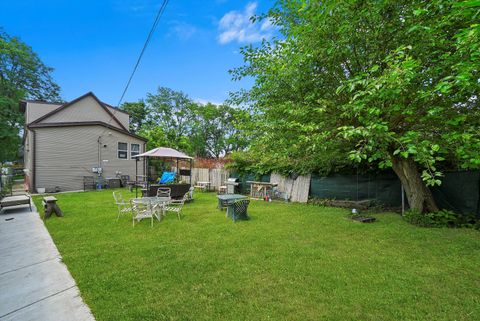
123	150
134	150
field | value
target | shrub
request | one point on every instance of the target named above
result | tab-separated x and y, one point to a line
442	218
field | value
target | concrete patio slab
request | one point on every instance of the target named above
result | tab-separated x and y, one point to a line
34	283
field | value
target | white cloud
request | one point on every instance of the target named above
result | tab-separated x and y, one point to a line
206	101
236	26
137	7
183	30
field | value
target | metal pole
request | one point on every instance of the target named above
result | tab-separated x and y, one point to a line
136	177
403	200
148	176
191	172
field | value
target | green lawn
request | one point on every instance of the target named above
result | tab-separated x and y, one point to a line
289	262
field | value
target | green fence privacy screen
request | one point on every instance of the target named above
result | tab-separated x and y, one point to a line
384	188
459	191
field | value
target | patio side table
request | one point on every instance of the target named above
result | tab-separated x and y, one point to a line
227	201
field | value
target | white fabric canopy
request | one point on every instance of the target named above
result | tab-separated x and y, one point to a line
164	152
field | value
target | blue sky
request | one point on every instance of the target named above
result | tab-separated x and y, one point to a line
93	45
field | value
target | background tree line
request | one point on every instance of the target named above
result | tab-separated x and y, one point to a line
170	118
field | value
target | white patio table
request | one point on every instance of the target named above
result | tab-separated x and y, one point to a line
159	202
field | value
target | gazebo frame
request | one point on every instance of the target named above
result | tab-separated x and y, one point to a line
160	153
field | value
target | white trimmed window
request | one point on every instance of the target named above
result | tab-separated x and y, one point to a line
123	150
134	150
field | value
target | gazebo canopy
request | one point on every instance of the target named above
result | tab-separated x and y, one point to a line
164	152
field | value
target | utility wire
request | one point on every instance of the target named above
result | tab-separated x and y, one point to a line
147	41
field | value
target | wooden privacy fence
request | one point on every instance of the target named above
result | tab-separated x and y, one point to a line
216	176
297	189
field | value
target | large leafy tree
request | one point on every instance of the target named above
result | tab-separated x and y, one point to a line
390	83
22	76
138	112
173	111
171	118
214	131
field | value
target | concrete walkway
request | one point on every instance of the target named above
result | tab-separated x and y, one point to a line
34	283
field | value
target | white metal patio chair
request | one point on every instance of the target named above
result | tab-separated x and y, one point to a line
190	194
164	192
143	210
122	206
176	205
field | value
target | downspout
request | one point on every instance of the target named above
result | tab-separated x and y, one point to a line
34	161
99	151
144	150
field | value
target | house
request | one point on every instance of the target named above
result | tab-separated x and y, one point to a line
65	142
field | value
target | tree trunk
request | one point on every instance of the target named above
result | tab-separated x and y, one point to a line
419	195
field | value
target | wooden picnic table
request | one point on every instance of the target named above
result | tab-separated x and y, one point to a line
50	205
204	186
260	189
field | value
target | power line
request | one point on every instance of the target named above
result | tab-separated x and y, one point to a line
147	41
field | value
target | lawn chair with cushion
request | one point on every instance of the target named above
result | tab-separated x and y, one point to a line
176	205
122	206
164	192
143	210
238	210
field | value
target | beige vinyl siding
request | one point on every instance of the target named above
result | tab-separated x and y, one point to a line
124	118
66	154
37	110
86	109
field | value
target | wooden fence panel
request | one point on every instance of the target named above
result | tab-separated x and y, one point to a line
297	189
216	177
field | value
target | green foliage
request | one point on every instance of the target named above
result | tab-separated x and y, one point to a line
365	81
22	76
442	218
373	82
322	202
138	112
215	130
170	118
